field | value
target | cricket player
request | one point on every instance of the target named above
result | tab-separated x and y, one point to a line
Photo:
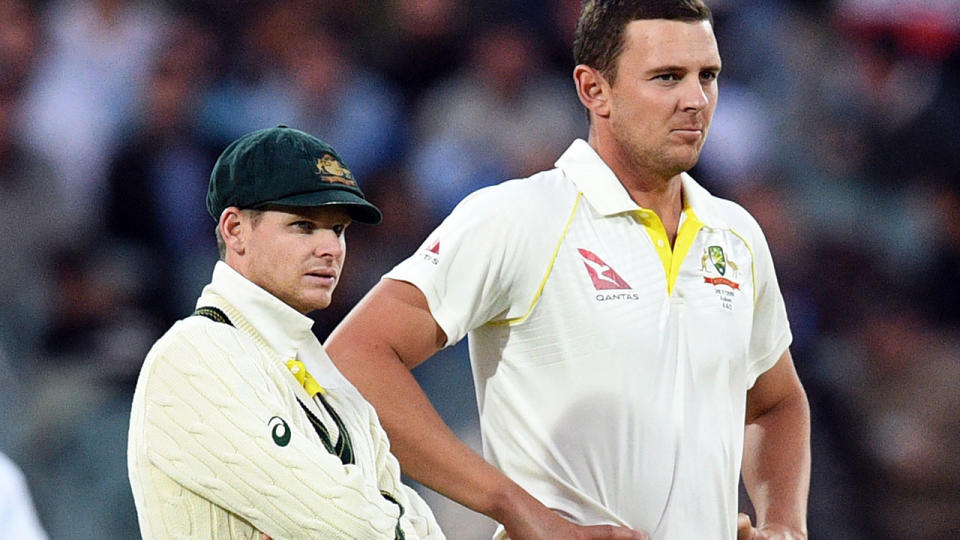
628	338
241	426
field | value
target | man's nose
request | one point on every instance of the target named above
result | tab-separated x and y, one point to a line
694	96
328	243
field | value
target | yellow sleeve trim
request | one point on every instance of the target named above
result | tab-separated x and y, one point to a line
546	275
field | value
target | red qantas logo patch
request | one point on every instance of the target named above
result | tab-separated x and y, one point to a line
604	277
432	253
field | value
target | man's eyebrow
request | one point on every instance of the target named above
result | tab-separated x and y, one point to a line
682	69
667	69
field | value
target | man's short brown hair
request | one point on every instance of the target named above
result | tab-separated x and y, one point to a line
599	38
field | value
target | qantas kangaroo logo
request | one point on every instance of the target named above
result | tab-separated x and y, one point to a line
604	277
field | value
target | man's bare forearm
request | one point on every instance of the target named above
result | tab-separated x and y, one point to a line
776	463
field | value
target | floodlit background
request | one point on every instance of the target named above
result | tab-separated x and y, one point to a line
837	128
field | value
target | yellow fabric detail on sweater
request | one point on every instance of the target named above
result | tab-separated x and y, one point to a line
303	377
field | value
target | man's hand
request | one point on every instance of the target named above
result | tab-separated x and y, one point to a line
544	524
580	532
605	532
746	531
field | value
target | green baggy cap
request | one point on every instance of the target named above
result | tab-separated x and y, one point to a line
285	166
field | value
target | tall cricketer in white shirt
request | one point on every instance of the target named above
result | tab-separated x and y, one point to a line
628	339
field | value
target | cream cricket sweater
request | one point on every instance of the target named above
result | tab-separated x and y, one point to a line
219	446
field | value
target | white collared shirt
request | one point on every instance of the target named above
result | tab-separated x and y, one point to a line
611	367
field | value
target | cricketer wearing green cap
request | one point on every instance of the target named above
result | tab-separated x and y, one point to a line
241	426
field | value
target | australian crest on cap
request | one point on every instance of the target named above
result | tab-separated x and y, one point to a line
332	170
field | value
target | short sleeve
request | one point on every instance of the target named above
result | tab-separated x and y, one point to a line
770	335
482	263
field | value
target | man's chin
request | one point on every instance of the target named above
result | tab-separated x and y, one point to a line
309	305
678	169
684	164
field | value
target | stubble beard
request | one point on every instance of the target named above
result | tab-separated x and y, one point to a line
655	165
662	162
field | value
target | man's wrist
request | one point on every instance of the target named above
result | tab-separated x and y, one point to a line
507	501
521	514
782	532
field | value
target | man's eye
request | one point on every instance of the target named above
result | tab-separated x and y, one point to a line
668	77
708	75
303	225
338	229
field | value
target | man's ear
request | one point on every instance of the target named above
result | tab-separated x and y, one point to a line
232	230
592	89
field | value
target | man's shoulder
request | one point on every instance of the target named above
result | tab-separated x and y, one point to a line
196	339
724	213
523	198
201	353
192	328
738	218
718	212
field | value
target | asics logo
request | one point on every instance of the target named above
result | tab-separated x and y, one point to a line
280	431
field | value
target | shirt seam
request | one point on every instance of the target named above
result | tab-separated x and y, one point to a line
546	276
753	264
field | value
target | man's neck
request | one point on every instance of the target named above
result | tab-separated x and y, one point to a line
666	201
657	192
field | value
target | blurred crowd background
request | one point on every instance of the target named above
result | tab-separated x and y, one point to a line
837	128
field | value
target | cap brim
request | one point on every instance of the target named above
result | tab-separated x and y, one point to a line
359	208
